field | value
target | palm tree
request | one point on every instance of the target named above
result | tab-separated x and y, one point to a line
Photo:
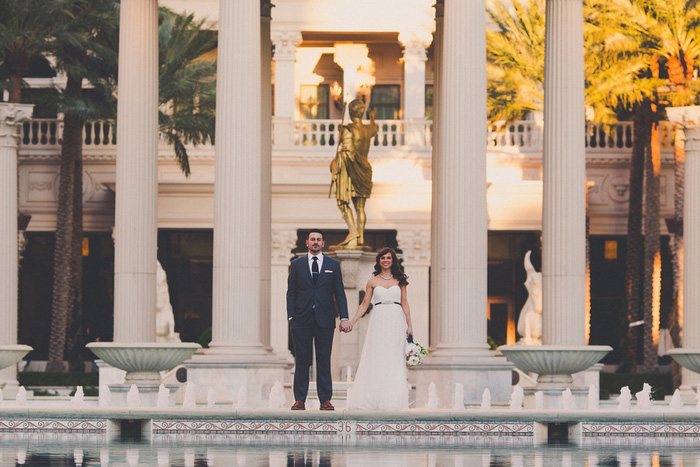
89	55
187	83
25	34
187	96
515	65
630	45
657	37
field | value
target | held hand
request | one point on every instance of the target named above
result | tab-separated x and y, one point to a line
345	326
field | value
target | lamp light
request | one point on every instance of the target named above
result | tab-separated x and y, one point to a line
337	95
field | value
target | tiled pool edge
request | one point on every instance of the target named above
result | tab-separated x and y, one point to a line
499	423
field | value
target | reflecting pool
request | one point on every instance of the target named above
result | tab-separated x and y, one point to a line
307	451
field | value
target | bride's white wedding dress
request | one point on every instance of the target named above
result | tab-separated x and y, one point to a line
380	382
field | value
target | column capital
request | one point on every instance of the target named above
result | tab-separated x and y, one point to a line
283	242
285	44
415	44
10	116
692	140
415	246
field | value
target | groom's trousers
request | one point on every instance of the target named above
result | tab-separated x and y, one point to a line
305	338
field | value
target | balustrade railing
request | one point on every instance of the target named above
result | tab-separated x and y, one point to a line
524	136
45	133
324	133
617	137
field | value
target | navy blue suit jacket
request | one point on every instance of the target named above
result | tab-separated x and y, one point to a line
307	300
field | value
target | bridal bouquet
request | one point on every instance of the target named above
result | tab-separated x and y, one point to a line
414	352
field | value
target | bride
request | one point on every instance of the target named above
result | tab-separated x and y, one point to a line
380	382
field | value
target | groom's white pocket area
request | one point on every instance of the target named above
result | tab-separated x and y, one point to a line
328	271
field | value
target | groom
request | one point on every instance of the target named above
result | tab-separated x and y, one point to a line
314	281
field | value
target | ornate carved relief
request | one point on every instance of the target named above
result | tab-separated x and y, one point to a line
285	44
415	245
10	116
43	186
415	44
618	189
283	242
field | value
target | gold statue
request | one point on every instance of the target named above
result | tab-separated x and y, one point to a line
352	173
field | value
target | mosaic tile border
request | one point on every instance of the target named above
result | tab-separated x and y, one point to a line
496	429
625	429
243	426
359	428
54	425
346	427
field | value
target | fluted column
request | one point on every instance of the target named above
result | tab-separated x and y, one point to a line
283	242
285	85
564	165
350	57
414	58
460	226
691	250
11	115
435	205
237	190
135	223
266	170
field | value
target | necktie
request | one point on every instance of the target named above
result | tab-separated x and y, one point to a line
314	268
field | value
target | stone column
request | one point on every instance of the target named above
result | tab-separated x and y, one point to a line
237	189
414	58
689	118
266	171
350	57
415	245
135	222
459	352
564	166
239	355
460	230
10	116
285	85
691	250
435	174
283	242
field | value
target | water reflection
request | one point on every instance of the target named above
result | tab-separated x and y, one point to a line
227	451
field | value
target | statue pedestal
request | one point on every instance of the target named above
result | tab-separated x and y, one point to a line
357	267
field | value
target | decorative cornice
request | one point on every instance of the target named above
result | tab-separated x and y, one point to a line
108	157
10	116
285	43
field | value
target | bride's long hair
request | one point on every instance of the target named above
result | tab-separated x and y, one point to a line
396	268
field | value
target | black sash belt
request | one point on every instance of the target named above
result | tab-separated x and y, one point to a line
387	303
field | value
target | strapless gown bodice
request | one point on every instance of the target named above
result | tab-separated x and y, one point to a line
387	296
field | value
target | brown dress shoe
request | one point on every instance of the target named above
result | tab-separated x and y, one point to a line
327	406
299	405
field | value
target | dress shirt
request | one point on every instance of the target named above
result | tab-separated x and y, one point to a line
311	262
